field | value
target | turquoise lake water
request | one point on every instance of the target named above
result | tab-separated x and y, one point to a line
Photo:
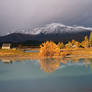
46	76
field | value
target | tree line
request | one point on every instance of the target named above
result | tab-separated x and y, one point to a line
49	48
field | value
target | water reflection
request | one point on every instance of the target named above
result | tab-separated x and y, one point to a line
91	64
7	61
52	64
49	65
10	60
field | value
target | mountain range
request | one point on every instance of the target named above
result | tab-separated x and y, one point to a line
54	32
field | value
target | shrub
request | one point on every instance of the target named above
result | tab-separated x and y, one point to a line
68	45
90	40
60	45
76	44
85	43
49	48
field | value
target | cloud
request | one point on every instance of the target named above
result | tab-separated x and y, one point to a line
26	13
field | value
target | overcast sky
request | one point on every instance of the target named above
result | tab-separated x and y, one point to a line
17	14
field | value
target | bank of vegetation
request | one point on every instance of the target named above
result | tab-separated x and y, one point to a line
51	49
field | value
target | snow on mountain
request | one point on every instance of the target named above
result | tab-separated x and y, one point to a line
55	32
54	28
59	28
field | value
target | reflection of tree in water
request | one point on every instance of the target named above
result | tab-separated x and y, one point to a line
49	65
75	60
91	64
86	60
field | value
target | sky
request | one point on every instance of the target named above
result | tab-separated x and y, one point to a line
20	14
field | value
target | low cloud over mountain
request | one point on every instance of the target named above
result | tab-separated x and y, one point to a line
54	32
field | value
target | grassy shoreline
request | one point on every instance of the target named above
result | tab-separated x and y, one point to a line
17	54
20	54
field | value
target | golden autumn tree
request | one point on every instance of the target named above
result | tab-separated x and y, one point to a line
60	45
50	49
75	44
85	43
90	40
68	45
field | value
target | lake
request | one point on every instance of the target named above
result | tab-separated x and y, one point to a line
46	75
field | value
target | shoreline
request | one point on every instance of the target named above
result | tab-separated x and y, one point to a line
20	55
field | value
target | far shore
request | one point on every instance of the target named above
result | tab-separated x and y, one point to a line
14	55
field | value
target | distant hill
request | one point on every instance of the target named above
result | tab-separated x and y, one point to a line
55	32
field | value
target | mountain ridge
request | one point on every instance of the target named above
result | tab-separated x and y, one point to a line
53	28
55	32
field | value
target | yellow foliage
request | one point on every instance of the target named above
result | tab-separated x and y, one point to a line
49	48
73	44
68	45
90	39
60	45
76	44
85	43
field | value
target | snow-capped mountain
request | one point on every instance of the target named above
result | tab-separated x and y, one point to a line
54	32
58	28
54	28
